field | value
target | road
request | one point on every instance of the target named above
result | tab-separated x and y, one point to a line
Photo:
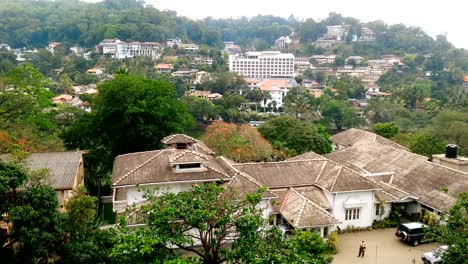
382	248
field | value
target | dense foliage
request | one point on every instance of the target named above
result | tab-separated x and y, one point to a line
130	114
241	143
295	136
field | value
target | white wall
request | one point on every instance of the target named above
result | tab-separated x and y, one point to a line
366	212
135	194
385	211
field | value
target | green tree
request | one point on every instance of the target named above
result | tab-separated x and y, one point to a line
426	144
130	114
455	232
413	93
200	108
452	126
386	130
339	114
37	225
295	136
224	82
232	218
298	101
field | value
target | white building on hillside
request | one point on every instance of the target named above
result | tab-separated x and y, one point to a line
121	50
265	64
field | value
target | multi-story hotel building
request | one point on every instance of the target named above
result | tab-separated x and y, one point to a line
265	64
121	50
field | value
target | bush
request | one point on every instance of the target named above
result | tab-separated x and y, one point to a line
332	242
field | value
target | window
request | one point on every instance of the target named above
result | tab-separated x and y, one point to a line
181	146
352	214
189	166
377	209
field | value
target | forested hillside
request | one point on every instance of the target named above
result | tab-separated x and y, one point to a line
34	23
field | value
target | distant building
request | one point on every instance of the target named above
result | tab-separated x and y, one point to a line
356	59
283	43
367	34
465	83
172	43
78	51
53	47
190	48
337	32
95	71
5	46
324	59
277	88
121	50
324	43
164	68
265	64
231	48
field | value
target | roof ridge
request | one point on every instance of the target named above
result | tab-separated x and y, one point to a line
321	170
394	187
137	167
277	162
315	205
177	156
218	171
353	171
387	193
336	179
140	152
301	212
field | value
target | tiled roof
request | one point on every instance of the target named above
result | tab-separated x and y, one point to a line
301	212
354	136
62	167
178	138
413	174
320	172
154	167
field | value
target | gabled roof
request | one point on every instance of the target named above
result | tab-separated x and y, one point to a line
62	167
301	212
188	156
178	138
355	136
320	172
154	167
413	173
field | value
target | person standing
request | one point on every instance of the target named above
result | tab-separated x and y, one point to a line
362	249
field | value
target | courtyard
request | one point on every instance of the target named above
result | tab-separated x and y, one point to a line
382	248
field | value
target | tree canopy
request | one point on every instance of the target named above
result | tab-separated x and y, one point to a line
238	142
295	136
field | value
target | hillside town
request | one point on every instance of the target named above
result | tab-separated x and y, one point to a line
130	134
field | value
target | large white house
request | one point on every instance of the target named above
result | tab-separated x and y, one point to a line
351	187
121	50
264	64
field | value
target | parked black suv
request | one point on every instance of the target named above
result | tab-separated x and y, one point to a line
412	233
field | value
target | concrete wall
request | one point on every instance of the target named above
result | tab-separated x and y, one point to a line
135	194
366	207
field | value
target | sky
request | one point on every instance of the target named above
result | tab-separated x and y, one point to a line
435	17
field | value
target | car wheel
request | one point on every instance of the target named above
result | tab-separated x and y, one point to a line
415	242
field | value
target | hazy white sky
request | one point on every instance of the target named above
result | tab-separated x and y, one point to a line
433	16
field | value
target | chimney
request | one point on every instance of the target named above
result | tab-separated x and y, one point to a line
451	151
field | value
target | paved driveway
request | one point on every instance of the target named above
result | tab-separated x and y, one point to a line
382	248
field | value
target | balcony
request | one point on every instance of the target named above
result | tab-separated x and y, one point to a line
119	206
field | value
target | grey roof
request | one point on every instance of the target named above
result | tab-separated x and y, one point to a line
62	167
355	136
178	138
301	212
153	167
322	172
413	174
